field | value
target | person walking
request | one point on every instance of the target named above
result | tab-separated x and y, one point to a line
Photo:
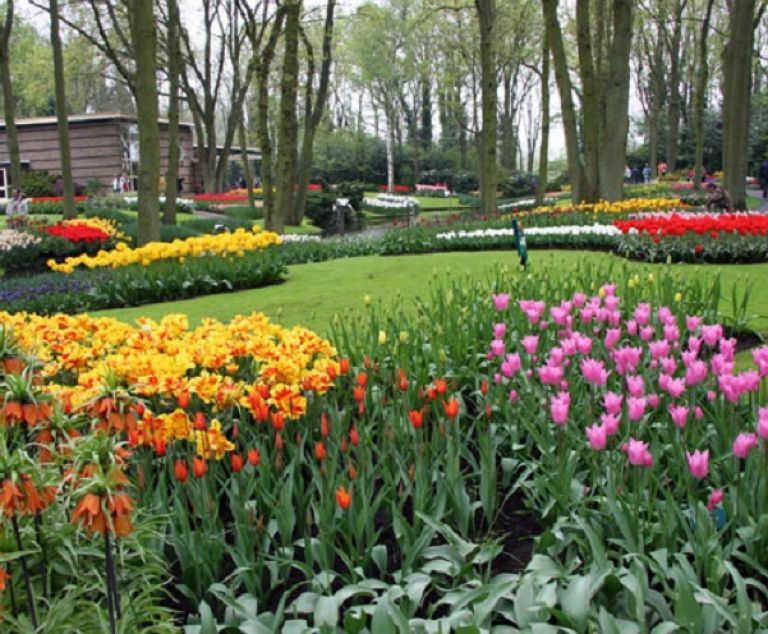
17	206
647	174
763	174
718	198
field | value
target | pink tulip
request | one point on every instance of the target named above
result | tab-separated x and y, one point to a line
676	387
632	327
744	443
712	334
659	348
499	330
583	343
497	378
727	347
612	402
698	463
558	408
715	498
513	396
597	436
760	357
501	301
668	365
642	314
679	414
635	385
720	365
762	423
579	299
694	344
610	289
611	423
638	453
530	343
665	315
692	323
513	360
696	373
497	348
594	371
646	333
671	332
711	395
550	375
698	413
636	408
612	337
653	400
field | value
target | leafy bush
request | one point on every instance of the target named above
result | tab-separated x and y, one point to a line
519	184
36	183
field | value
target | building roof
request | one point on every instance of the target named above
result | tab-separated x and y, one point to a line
82	118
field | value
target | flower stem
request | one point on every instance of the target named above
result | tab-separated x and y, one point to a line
110	595
25	572
43	555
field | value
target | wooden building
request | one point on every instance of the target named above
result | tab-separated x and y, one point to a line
102	146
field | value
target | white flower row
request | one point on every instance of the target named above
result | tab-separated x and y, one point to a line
565	230
10	239
389	201
186	203
295	237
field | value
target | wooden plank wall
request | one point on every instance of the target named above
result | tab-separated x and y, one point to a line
96	151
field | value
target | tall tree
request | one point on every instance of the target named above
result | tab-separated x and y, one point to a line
544	147
173	46
314	106
737	79
554	35
486	13
700	94
287	132
70	211
143	29
673	104
9	105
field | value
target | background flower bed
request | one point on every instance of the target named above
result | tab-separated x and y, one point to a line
417	530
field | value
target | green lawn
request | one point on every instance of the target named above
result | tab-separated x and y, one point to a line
315	292
428	202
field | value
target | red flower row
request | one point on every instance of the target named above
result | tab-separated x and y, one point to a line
701	224
55	199
399	189
221	198
77	233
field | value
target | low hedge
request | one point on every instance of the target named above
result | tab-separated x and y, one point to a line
136	285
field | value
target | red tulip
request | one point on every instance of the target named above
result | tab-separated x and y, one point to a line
354	436
236	461
181	470
320	452
183	400
199	466
343	498
417	418
254	457
451	408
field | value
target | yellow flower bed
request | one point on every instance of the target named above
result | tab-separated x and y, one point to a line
107	226
248	364
236	243
616	207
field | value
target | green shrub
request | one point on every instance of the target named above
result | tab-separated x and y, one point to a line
519	184
36	183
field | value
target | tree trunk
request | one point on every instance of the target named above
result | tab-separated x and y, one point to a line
737	74
9	104
174	149
507	121
563	80
590	103
541	190
486	10
700	95
144	35
390	117
62	121
247	175
426	113
313	112
615	122
673	105
287	135
263	67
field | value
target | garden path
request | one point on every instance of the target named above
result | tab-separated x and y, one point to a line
759	194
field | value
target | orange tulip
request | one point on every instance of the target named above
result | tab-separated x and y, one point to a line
343	498
359	393
160	447
417	418
351	471
324	428
236	460
441	385
183	400
451	407
354	436
199	466
181	470
254	457
362	379
278	421
320	452
200	421
344	366
279	444
4	576
484	387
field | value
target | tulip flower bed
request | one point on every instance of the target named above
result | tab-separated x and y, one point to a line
397	485
678	224
238	243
